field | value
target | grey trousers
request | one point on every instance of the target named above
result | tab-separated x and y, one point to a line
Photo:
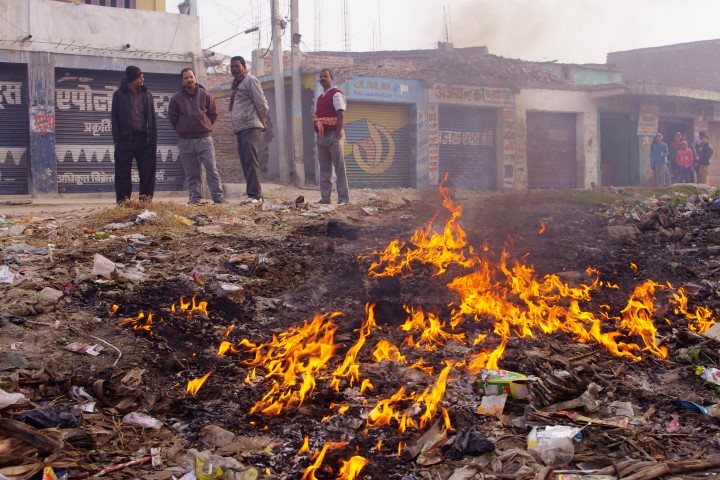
662	176
248	141
330	155
196	153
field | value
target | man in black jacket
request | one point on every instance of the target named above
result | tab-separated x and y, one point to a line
135	135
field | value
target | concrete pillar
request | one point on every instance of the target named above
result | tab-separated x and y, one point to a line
41	92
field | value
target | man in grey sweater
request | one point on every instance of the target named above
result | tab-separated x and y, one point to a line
248	113
192	114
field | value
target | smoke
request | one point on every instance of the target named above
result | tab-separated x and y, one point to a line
570	31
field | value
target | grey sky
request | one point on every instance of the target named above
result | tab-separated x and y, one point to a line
570	31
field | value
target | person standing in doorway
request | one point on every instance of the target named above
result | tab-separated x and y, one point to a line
135	135
704	152
684	163
328	121
659	160
672	163
248	113
192	114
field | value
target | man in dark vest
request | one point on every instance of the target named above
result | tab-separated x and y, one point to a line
135	135
328	122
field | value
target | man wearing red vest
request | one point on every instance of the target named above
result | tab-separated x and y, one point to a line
328	122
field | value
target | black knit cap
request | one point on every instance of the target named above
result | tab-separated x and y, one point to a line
132	73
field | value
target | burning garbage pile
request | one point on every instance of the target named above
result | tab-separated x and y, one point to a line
516	375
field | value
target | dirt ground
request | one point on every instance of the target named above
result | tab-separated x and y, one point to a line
267	270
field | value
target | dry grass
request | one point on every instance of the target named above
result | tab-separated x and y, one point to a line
170	216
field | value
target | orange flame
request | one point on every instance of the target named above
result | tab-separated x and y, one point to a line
384	350
433	398
225	347
305	446
434	249
365	385
700	320
542	227
194	385
349	368
420	365
113	309
137	324
298	353
433	335
350	469
310	471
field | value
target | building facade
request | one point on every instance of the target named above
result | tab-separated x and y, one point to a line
60	63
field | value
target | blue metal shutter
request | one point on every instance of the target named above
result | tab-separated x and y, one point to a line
14	127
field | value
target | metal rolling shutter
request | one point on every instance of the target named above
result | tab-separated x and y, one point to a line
468	152
83	132
551	150
714	167
377	145
14	126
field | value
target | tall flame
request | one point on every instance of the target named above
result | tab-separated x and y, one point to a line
349	368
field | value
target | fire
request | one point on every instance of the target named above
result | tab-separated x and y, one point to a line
319	458
517	301
225	347
194	385
433	335
420	365
365	386
350	469
137	323
190	307
113	310
300	353
427	246
542	227
349	369
305	447
384	350
384	411
434	396
310	471
700	320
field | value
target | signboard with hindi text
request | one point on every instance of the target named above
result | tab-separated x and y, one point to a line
648	118
83	131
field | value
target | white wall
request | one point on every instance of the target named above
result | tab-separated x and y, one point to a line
79	29
540	100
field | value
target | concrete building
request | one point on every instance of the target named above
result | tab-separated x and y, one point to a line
60	62
668	89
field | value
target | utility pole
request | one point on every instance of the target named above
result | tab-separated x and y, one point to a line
297	127
279	78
